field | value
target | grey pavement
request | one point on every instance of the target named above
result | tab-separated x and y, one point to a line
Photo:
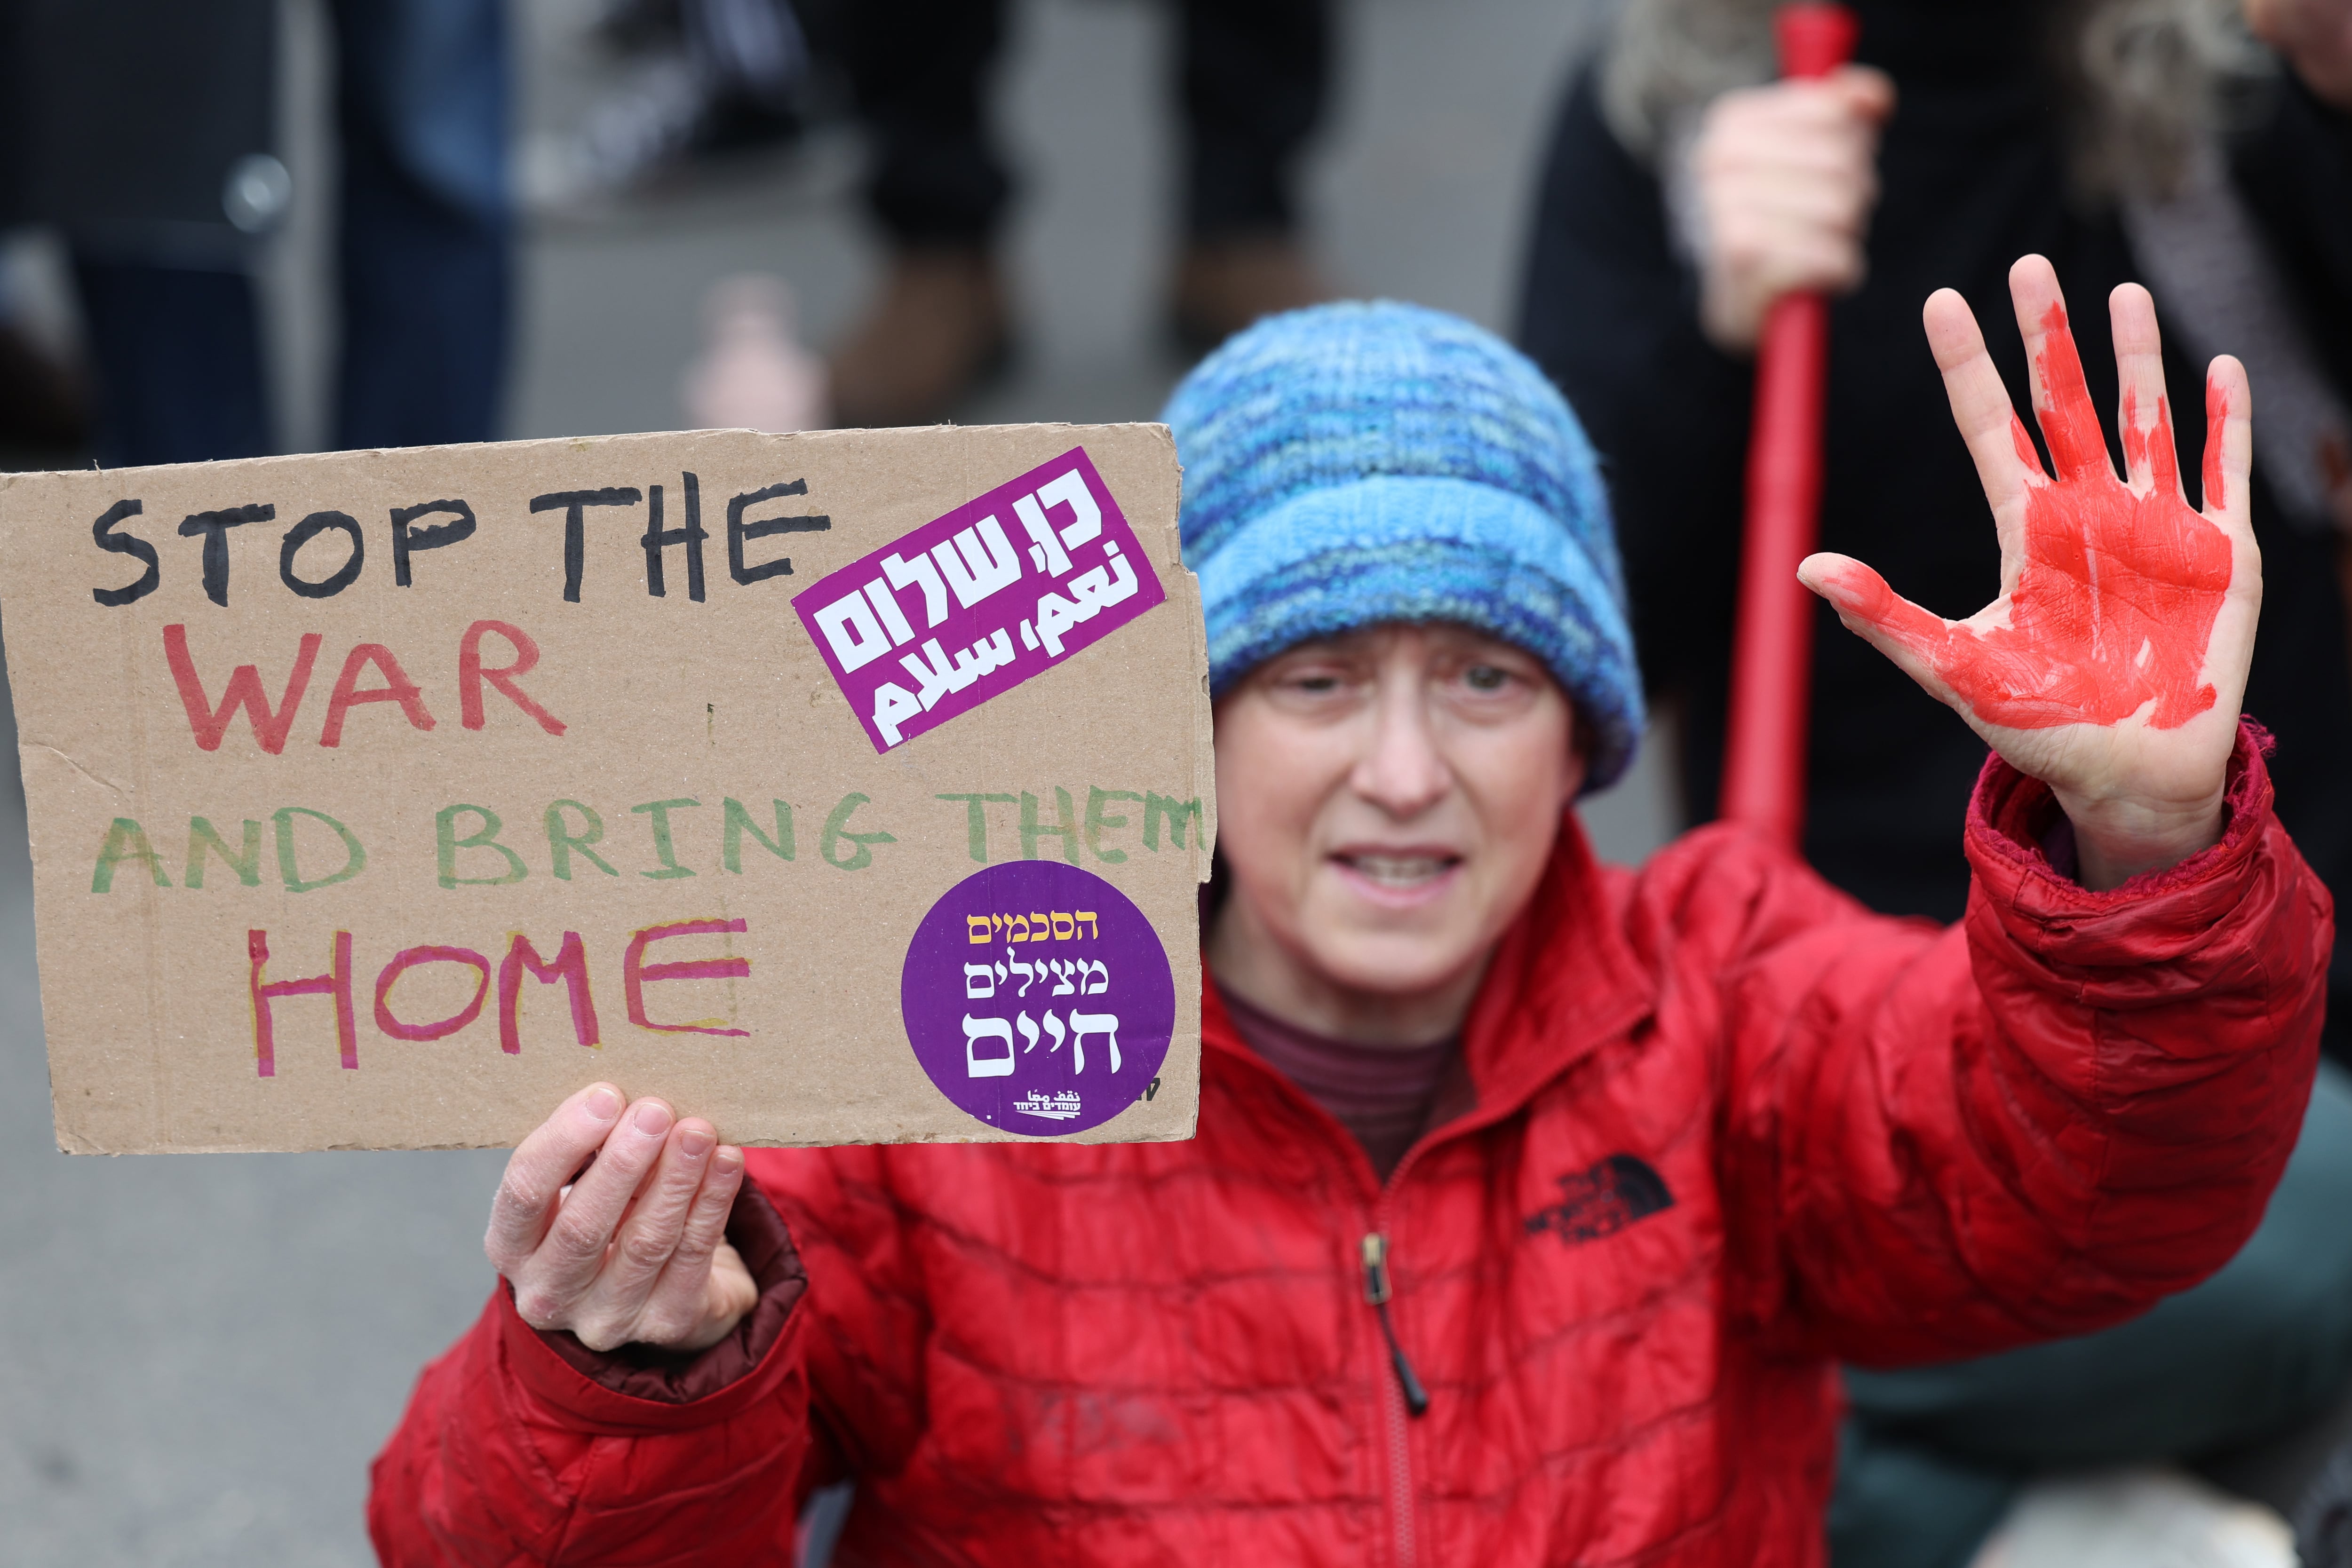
199	1354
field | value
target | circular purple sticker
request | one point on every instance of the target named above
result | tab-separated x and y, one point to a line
1038	998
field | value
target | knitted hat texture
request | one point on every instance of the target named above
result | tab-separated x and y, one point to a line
1353	464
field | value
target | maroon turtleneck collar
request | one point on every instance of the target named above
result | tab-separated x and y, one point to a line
1387	1095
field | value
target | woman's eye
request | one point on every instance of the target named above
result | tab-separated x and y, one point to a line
1486	678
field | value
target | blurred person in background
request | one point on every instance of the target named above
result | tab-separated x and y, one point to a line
144	132
2205	152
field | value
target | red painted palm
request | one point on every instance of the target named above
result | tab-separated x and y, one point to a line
2113	663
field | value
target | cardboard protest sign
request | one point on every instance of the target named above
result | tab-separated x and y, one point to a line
844	787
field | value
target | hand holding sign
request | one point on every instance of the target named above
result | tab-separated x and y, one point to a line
631	1250
2112	666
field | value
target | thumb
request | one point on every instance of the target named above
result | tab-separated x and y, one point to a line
1889	622
1869	92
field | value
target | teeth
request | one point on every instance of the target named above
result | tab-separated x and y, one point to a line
1399	871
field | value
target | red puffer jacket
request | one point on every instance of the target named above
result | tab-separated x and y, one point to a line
1728	1127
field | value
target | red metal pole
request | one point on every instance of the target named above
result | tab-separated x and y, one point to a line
1772	644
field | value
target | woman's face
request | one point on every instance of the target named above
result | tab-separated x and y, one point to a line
1386	801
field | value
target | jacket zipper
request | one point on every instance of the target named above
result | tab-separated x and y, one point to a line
1377	1291
1401	1397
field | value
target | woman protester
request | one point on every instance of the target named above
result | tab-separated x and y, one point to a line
1533	1200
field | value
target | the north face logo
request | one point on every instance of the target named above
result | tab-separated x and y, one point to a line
1602	1201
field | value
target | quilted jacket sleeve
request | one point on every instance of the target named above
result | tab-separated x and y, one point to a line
2034	1123
523	1447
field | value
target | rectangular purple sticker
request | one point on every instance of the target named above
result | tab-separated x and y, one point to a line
969	606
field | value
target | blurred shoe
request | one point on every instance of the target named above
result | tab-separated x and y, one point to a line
672	117
717	78
753	373
1222	285
2151	1517
42	406
937	329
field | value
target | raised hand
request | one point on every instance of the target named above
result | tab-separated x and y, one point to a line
633	1248
2112	666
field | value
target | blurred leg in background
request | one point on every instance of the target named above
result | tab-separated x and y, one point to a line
1934	1456
938	190
176	352
41	398
1253	77
426	237
146	129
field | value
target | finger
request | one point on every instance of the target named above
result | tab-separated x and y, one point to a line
2003	454
1777	211
538	1168
1805	261
572	1253
2062	400
1840	207
2144	415
1914	638
1854	99
1869	91
1807	120
649	1235
682	1297
1864	603
2229	444
2229	459
1816	147
1797	124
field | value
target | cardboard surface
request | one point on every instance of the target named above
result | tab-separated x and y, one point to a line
354	910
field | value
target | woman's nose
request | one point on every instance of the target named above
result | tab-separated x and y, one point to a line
1402	771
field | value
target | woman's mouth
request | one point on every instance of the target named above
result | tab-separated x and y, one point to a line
1405	875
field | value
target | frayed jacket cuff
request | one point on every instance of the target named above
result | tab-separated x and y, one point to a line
637	1387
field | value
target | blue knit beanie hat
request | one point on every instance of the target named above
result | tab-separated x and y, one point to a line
1351	464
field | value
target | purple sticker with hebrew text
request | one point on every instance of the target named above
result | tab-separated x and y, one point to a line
1039	999
969	606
